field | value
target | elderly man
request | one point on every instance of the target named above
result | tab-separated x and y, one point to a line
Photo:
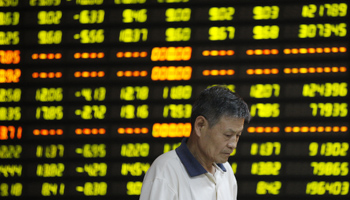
198	168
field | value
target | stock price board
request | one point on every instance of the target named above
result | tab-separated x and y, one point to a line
92	91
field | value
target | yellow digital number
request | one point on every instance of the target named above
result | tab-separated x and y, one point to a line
50	170
52	189
12	189
9	37
265	12
322	30
172	1
330	188
265	110
90	16
272	188
50	37
93	169
266	32
328	149
10	170
221	33
10	151
93	188
177	34
49	94
10	94
49	17
265	149
44	2
9	18
221	13
50	151
89	2
130	112
8	3
129	1
329	109
130	93
133	188
178	92
49	112
135	150
92	151
133	35
325	89
92	112
10	113
178	14
90	36
324	10
177	111
266	168
330	168
265	90
130	15
134	169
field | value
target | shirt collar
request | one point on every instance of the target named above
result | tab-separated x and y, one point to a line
193	167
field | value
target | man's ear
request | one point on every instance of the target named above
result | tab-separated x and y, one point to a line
200	124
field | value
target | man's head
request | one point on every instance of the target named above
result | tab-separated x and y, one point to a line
218	117
218	101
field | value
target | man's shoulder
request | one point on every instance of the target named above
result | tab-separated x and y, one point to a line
168	158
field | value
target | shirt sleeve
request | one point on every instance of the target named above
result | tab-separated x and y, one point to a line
158	189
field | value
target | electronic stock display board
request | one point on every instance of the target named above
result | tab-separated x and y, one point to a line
92	91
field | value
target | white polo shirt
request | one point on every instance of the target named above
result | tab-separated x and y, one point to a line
177	175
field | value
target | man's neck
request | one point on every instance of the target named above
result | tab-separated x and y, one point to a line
195	150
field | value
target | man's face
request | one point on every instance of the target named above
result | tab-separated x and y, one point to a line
219	141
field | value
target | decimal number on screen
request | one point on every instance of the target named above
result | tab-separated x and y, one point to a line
221	13
177	111
177	92
130	16
49	94
325	10
266	168
10	94
272	188
92	151
52	189
132	112
49	17
330	188
130	93
265	90
328	149
50	151
134	169
265	149
11	189
330	168
90	16
178	14
265	110
135	150
10	151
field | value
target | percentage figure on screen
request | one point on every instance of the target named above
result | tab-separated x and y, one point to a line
93	189
92	112
90	94
92	151
93	169
90	16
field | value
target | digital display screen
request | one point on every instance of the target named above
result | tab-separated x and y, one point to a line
92	91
